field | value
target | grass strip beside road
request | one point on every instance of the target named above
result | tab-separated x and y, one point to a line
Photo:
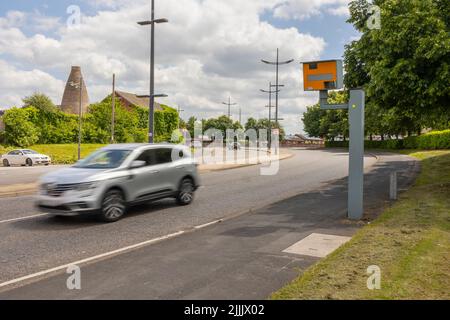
60	153
410	242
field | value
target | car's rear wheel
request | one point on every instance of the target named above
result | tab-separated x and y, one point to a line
6	163
186	192
29	162
113	206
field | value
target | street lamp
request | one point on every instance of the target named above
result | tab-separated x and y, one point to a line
277	63
152	96
229	104
270	91
79	85
179	116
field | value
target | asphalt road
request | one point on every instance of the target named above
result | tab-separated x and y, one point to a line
20	175
30	244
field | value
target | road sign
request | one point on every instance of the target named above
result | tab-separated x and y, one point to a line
276	132
323	75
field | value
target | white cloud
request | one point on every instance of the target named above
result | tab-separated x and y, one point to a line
303	9
15	84
209	50
340	11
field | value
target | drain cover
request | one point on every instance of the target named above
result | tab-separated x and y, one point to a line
317	245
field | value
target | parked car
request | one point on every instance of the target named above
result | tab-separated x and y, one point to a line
116	177
24	157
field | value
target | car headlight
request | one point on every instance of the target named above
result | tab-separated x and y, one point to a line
85	186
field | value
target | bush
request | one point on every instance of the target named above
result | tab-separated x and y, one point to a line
430	141
19	129
42	123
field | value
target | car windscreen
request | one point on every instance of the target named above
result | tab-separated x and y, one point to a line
29	152
103	159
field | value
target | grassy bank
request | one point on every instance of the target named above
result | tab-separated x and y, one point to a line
410	242
60	153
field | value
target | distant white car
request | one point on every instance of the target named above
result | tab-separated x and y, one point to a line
24	157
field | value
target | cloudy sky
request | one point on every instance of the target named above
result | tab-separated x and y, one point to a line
209	50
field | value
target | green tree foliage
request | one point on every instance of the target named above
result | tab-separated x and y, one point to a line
190	125
48	125
263	124
19	128
328	124
41	102
404	66
222	123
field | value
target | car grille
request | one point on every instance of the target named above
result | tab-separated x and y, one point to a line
56	190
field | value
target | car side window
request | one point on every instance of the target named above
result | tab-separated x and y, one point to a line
148	156
163	155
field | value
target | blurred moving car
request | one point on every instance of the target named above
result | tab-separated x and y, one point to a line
234	146
196	144
24	157
115	177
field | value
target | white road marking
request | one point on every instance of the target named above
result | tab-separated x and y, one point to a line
79	262
24	218
207	224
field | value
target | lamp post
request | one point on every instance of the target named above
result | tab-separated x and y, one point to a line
229	104
79	86
113	108
150	117
277	63
270	91
152	96
179	116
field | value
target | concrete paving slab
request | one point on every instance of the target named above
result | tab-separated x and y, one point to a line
317	245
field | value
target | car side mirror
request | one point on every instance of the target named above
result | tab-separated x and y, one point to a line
138	164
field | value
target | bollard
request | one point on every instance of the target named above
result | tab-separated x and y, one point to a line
393	186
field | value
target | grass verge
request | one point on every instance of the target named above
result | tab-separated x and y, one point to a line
60	153
410	242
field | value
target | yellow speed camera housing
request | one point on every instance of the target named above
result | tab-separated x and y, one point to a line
323	75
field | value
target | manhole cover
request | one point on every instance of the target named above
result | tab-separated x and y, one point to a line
317	245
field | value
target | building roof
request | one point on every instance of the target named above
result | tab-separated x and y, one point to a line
133	99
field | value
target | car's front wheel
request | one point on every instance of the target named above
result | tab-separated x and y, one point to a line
6	163
113	206
29	162
186	192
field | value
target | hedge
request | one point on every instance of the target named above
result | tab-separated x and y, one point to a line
430	141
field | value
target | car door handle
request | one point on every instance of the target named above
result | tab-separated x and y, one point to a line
180	167
154	171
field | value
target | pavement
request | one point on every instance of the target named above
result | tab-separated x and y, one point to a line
228	245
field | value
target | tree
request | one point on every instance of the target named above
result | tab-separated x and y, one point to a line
251	123
19	129
190	126
263	124
404	66
41	102
311	121
327	123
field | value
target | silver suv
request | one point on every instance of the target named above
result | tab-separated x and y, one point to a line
111	179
